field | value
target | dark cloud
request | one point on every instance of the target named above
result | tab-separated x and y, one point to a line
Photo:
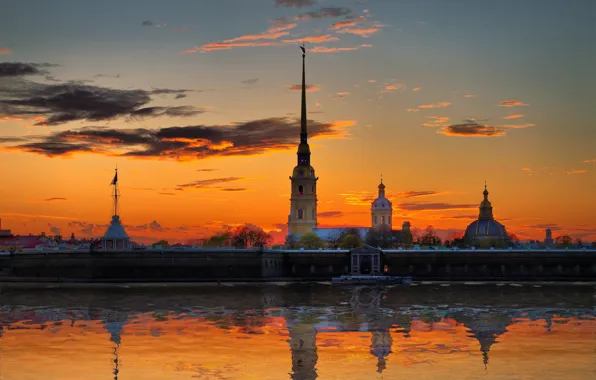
250	81
55	230
330	214
7	140
181	143
75	101
153	226
473	129
206	170
54	199
180	96
107	76
17	69
434	206
309	87
83	227
328	12
159	91
544	226
180	111
147	23
205	183
164	193
295	3
234	189
412	194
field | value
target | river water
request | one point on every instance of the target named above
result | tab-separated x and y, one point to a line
302	332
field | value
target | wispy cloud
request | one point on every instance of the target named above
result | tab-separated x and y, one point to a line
5	51
179	143
468	96
231	189
362	198
295	3
512	103
362	32
61	103
206	170
313	39
309	87
437	121
324	13
434	206
412	110
582	171
340	95
519	126
250	81
54	199
472	129
414	194
153	24
528	171
208	183
593	161
390	87
514	116
415	89
324	49
435	105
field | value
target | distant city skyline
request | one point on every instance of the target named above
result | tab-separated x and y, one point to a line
198	104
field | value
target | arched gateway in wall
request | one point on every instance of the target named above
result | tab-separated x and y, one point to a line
365	260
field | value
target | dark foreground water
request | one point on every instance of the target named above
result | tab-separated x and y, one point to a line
299	332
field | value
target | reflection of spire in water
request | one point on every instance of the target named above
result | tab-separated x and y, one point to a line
303	346
304	352
381	347
116	362
115	327
486	332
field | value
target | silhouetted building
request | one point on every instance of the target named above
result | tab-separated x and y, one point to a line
303	201
486	231
549	237
115	238
381	210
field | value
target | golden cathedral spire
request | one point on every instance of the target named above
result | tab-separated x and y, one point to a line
303	201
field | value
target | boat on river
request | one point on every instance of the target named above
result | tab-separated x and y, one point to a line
361	279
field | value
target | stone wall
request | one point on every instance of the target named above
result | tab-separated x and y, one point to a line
211	265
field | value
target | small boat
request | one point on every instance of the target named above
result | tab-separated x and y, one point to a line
370	279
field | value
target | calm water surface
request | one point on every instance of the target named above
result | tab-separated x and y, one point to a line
300	332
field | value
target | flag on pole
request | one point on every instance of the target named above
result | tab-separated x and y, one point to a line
115	180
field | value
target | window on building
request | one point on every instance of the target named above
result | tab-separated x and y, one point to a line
300	190
300	213
375	219
382	220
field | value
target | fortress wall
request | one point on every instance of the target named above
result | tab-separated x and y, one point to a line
210	265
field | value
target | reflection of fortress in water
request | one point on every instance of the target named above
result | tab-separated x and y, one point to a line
376	312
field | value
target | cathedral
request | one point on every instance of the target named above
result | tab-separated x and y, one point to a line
303	199
486	231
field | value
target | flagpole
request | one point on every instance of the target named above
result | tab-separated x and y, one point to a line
115	192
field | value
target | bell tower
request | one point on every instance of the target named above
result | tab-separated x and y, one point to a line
303	200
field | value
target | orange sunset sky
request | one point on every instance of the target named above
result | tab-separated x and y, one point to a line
196	103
